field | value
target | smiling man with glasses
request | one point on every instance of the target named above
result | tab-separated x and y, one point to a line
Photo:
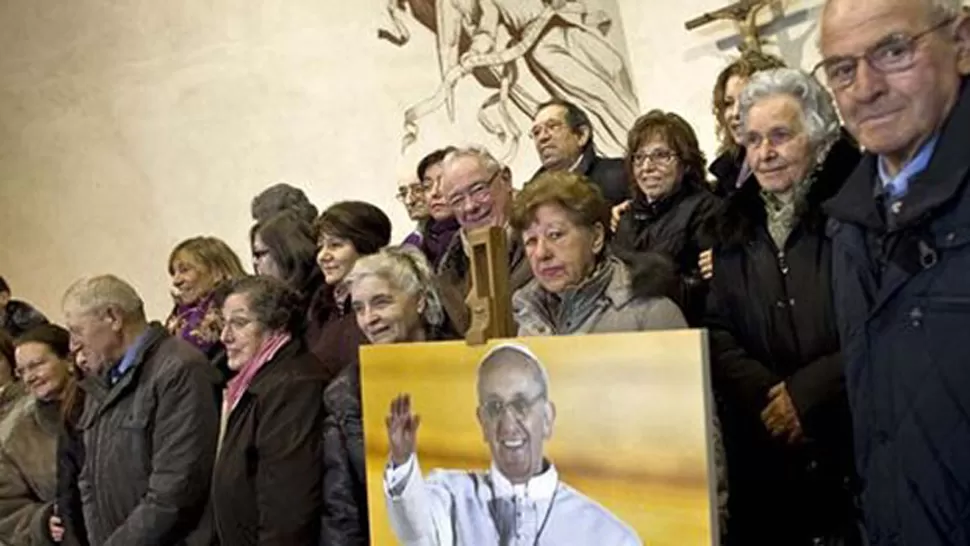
900	256
478	190
521	499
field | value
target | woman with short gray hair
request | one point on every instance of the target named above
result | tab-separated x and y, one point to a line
393	297
775	359
266	481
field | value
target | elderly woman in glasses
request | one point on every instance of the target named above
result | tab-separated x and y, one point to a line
426	204
579	287
29	435
394	302
268	472
775	357
671	201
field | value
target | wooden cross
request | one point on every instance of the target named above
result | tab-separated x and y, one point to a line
744	14
489	300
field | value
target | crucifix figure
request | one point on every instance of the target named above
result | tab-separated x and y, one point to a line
744	14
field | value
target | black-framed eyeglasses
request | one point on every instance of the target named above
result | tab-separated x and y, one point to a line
520	406
894	53
478	192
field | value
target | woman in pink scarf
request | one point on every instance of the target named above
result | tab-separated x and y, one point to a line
267	478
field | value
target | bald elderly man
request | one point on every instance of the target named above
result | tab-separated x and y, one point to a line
901	257
520	500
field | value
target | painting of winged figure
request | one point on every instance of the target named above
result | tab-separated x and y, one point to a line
567	47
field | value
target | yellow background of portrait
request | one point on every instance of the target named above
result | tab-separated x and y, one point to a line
631	430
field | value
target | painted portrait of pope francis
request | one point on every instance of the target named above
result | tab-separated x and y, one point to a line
520	499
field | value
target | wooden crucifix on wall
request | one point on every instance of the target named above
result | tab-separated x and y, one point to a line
489	299
744	14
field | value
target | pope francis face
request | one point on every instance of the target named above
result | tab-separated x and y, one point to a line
515	413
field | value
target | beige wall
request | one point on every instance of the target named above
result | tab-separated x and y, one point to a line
128	126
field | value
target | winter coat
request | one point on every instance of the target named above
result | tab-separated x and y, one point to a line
771	319
266	482
163	416
673	226
903	303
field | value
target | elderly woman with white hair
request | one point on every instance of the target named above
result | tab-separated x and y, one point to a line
775	354
392	296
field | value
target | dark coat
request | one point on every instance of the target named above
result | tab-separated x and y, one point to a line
345	517
453	282
19	316
672	226
266	483
332	334
149	443
771	319
608	174
70	459
726	169
900	280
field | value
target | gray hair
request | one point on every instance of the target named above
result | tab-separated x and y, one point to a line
537	368
282	197
407	269
273	304
945	9
97	294
484	157
818	110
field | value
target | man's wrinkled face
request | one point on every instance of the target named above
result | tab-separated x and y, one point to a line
515	414
558	145
478	198
97	336
891	113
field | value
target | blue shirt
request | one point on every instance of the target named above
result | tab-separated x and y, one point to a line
120	369
897	186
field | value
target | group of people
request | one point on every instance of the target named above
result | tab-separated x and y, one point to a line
826	259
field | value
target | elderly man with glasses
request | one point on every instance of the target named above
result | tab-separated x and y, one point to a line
521	499
900	256
478	190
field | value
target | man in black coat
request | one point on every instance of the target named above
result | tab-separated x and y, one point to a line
563	137
900	257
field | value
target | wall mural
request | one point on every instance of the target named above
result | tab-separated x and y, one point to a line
523	52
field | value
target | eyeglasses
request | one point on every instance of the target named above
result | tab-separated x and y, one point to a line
894	53
479	192
551	127
520	406
658	157
412	189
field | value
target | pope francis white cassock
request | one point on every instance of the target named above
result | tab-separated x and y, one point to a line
520	501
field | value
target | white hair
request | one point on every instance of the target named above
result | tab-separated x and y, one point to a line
484	157
538	369
405	268
93	294
818	110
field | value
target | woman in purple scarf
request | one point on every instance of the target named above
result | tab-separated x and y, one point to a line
426	205
199	267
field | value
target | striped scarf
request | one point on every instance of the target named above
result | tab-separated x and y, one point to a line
238	385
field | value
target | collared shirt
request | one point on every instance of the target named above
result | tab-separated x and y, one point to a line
897	186
459	508
120	369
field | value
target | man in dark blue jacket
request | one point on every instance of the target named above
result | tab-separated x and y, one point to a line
901	260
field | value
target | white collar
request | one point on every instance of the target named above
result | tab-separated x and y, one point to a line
541	487
575	167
